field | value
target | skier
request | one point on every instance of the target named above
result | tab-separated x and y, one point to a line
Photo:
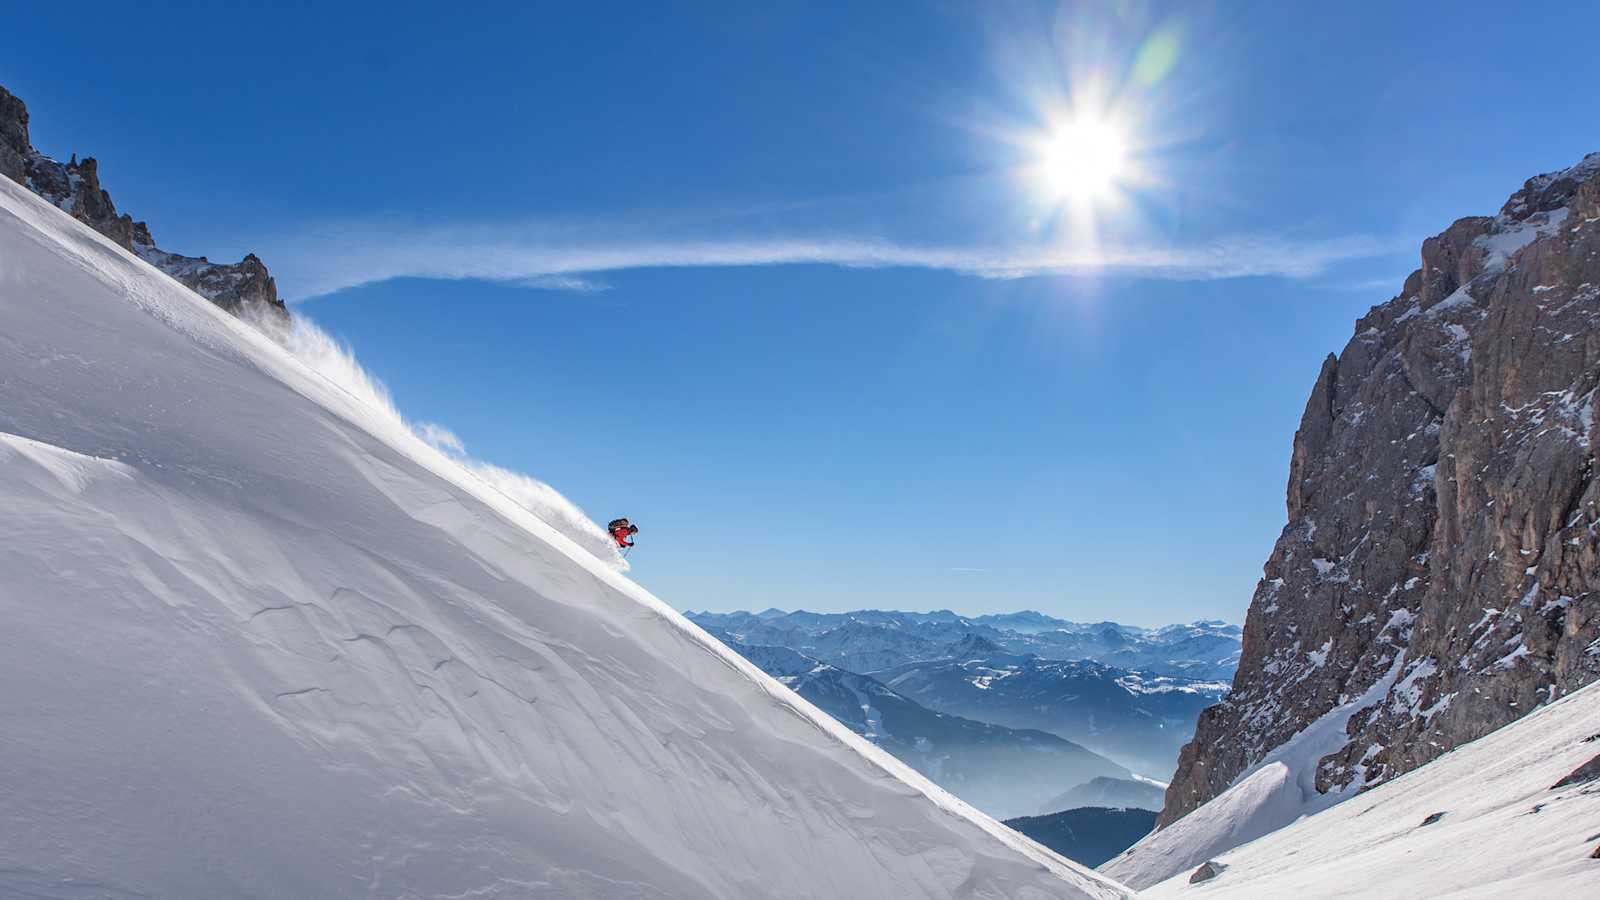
622	531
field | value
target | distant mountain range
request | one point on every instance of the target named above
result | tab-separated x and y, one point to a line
1139	719
870	640
1002	771
973	668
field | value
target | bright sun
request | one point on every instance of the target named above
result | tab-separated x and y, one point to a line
1083	159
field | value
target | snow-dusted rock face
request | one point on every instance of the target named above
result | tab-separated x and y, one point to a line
74	186
1438	574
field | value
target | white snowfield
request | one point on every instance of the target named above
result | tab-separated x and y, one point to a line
256	641
1504	833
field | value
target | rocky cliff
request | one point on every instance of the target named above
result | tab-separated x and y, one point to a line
74	186
1438	571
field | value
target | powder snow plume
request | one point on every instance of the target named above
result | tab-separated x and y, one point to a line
336	362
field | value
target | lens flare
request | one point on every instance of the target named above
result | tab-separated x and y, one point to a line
1093	123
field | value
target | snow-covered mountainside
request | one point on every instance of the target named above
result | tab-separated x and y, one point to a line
1002	771
1514	814
74	187
871	640
261	642
1439	575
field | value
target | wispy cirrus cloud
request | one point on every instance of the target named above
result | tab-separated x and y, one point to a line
320	261
574	283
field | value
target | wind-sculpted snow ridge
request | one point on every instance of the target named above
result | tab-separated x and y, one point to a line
261	641
1485	820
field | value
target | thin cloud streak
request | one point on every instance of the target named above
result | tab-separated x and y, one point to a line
571	283
331	260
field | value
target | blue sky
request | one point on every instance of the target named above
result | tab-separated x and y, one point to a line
782	281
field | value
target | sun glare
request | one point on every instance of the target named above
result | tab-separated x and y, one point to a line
1083	159
1089	126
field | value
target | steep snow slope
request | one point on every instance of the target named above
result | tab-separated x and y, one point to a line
1505	830
258	641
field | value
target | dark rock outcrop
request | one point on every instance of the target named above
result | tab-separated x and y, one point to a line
74	187
1206	872
1440	569
14	146
1589	771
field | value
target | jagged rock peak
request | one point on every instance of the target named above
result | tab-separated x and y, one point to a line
1550	191
1439	574
975	646
74	187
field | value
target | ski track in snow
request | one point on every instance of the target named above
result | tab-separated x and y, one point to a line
264	642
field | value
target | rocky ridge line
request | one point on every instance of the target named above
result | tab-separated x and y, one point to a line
74	187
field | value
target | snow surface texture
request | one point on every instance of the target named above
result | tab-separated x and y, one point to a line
1279	789
1503	833
263	641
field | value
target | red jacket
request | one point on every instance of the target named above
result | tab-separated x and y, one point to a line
620	535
